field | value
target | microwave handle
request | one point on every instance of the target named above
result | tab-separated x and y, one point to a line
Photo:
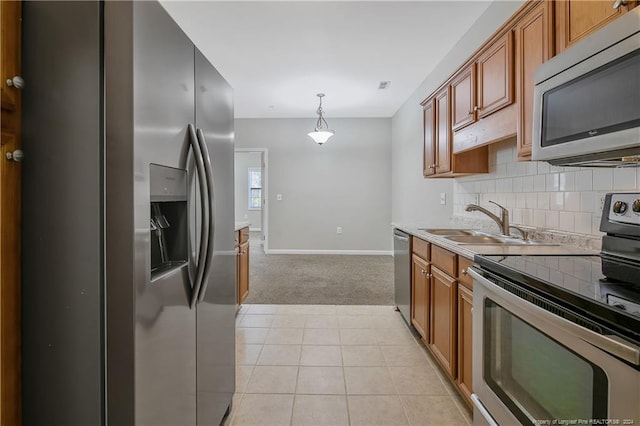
611	344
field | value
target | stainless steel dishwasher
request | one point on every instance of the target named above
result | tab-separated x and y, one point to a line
402	273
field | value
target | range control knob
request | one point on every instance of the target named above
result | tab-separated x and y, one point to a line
636	206
619	207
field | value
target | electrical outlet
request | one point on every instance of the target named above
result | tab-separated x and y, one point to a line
279	197
339	230
601	203
443	198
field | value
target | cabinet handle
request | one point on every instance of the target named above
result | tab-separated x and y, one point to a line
475	108
618	3
18	82
429	275
423	272
464	272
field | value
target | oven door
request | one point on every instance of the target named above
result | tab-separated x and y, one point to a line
531	366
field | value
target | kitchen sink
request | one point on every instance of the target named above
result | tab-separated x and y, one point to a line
470	236
494	240
465	232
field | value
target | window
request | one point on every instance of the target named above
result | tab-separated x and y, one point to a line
255	188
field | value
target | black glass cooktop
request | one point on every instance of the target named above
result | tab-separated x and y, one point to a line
576	282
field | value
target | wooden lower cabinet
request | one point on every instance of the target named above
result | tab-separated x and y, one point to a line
242	265
420	295
243	272
441	305
465	349
442	324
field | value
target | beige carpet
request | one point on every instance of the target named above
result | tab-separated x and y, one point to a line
319	279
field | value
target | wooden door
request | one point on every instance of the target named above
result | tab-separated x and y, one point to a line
429	149
465	346
463	98
533	47
10	404
576	19
442	319
243	272
420	295
443	131
495	76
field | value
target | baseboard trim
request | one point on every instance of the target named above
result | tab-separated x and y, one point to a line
341	252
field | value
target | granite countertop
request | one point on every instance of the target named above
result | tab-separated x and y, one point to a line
469	250
240	225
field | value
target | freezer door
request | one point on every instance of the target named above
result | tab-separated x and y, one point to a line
151	342
216	307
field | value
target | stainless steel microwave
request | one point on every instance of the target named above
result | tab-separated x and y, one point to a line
587	100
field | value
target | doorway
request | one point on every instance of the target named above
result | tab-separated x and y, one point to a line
251	192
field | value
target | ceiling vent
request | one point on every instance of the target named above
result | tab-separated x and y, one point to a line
383	85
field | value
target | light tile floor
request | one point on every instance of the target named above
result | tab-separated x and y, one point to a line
336	365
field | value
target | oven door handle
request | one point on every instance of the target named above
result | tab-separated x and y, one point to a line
613	345
482	410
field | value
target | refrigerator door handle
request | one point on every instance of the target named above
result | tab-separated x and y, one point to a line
211	200
204	211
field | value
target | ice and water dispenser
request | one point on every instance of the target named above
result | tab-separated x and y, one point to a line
169	235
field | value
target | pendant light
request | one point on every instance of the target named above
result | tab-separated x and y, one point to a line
322	132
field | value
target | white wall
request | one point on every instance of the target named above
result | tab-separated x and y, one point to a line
345	182
414	198
244	161
537	194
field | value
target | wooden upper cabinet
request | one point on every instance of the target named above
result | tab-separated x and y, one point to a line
576	19
429	164
495	76
463	98
533	40
10	65
485	86
443	131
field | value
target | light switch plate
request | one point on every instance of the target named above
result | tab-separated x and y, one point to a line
443	198
279	197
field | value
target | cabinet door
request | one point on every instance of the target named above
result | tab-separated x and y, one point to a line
429	164
420	295
442	325
533	47
463	98
576	19
495	76
443	131
243	272
465	306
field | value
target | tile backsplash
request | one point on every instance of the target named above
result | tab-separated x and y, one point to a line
567	199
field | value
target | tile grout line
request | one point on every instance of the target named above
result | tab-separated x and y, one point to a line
344	373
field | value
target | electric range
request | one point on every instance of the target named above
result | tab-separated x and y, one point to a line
606	286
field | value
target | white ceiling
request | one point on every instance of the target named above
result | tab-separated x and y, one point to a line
278	54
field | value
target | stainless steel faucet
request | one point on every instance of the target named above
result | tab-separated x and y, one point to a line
502	221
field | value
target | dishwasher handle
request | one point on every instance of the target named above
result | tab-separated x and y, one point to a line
400	236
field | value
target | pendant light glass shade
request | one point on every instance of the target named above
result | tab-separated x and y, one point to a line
322	132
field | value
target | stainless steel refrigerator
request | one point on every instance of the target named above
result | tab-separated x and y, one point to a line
128	224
